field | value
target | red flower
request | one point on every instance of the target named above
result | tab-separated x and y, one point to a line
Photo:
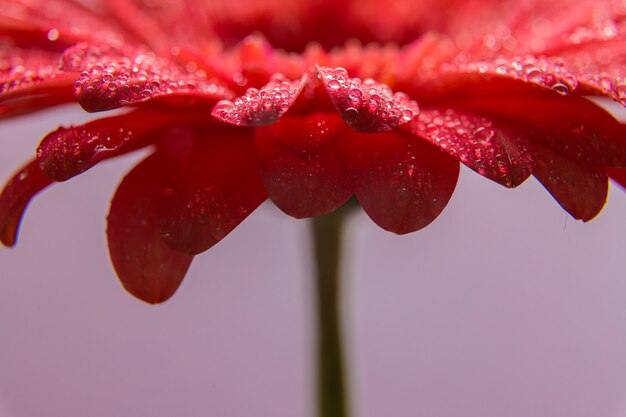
232	120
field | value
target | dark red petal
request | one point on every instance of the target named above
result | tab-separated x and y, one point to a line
497	152
211	188
67	152
367	106
402	182
579	189
260	107
17	193
300	166
30	80
112	77
618	175
148	268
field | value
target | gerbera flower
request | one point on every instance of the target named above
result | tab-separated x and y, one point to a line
309	103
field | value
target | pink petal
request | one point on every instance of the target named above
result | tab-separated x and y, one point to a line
300	166
579	189
496	152
16	196
260	107
211	188
403	183
367	106
146	266
67	152
112	77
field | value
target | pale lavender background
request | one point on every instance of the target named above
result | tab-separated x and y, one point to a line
502	307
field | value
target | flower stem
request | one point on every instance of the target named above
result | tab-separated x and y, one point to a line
332	401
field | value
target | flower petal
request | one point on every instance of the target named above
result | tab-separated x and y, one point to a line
300	166
403	183
67	152
211	188
260	107
30	80
367	106
112	76
496	152
148	268
16	196
579	189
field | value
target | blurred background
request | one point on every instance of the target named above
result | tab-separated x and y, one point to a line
504	306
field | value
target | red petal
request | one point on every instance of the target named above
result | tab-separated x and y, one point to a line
112	77
367	106
260	107
17	193
67	152
403	183
212	188
496	152
55	24
30	80
300	166
580	190
619	176
146	266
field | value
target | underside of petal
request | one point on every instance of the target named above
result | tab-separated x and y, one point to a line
148	268
301	169
211	188
16	196
402	183
581	190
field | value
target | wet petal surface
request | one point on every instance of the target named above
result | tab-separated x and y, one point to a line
367	106
260	107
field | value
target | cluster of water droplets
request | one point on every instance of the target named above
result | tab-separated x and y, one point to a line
25	69
367	106
68	151
112	76
477	143
260	107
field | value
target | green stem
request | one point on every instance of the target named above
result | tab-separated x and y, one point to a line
332	401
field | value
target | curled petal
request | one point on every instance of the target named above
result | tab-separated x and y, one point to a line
367	106
581	190
211	188
148	268
300	166
67	152
260	107
115	76
402	183
16	196
496	152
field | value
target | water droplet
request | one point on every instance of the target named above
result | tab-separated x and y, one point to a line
334	84
560	88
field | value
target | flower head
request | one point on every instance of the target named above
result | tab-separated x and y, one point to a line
309	103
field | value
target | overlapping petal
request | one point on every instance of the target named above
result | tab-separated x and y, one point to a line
212	185
146	266
301	168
